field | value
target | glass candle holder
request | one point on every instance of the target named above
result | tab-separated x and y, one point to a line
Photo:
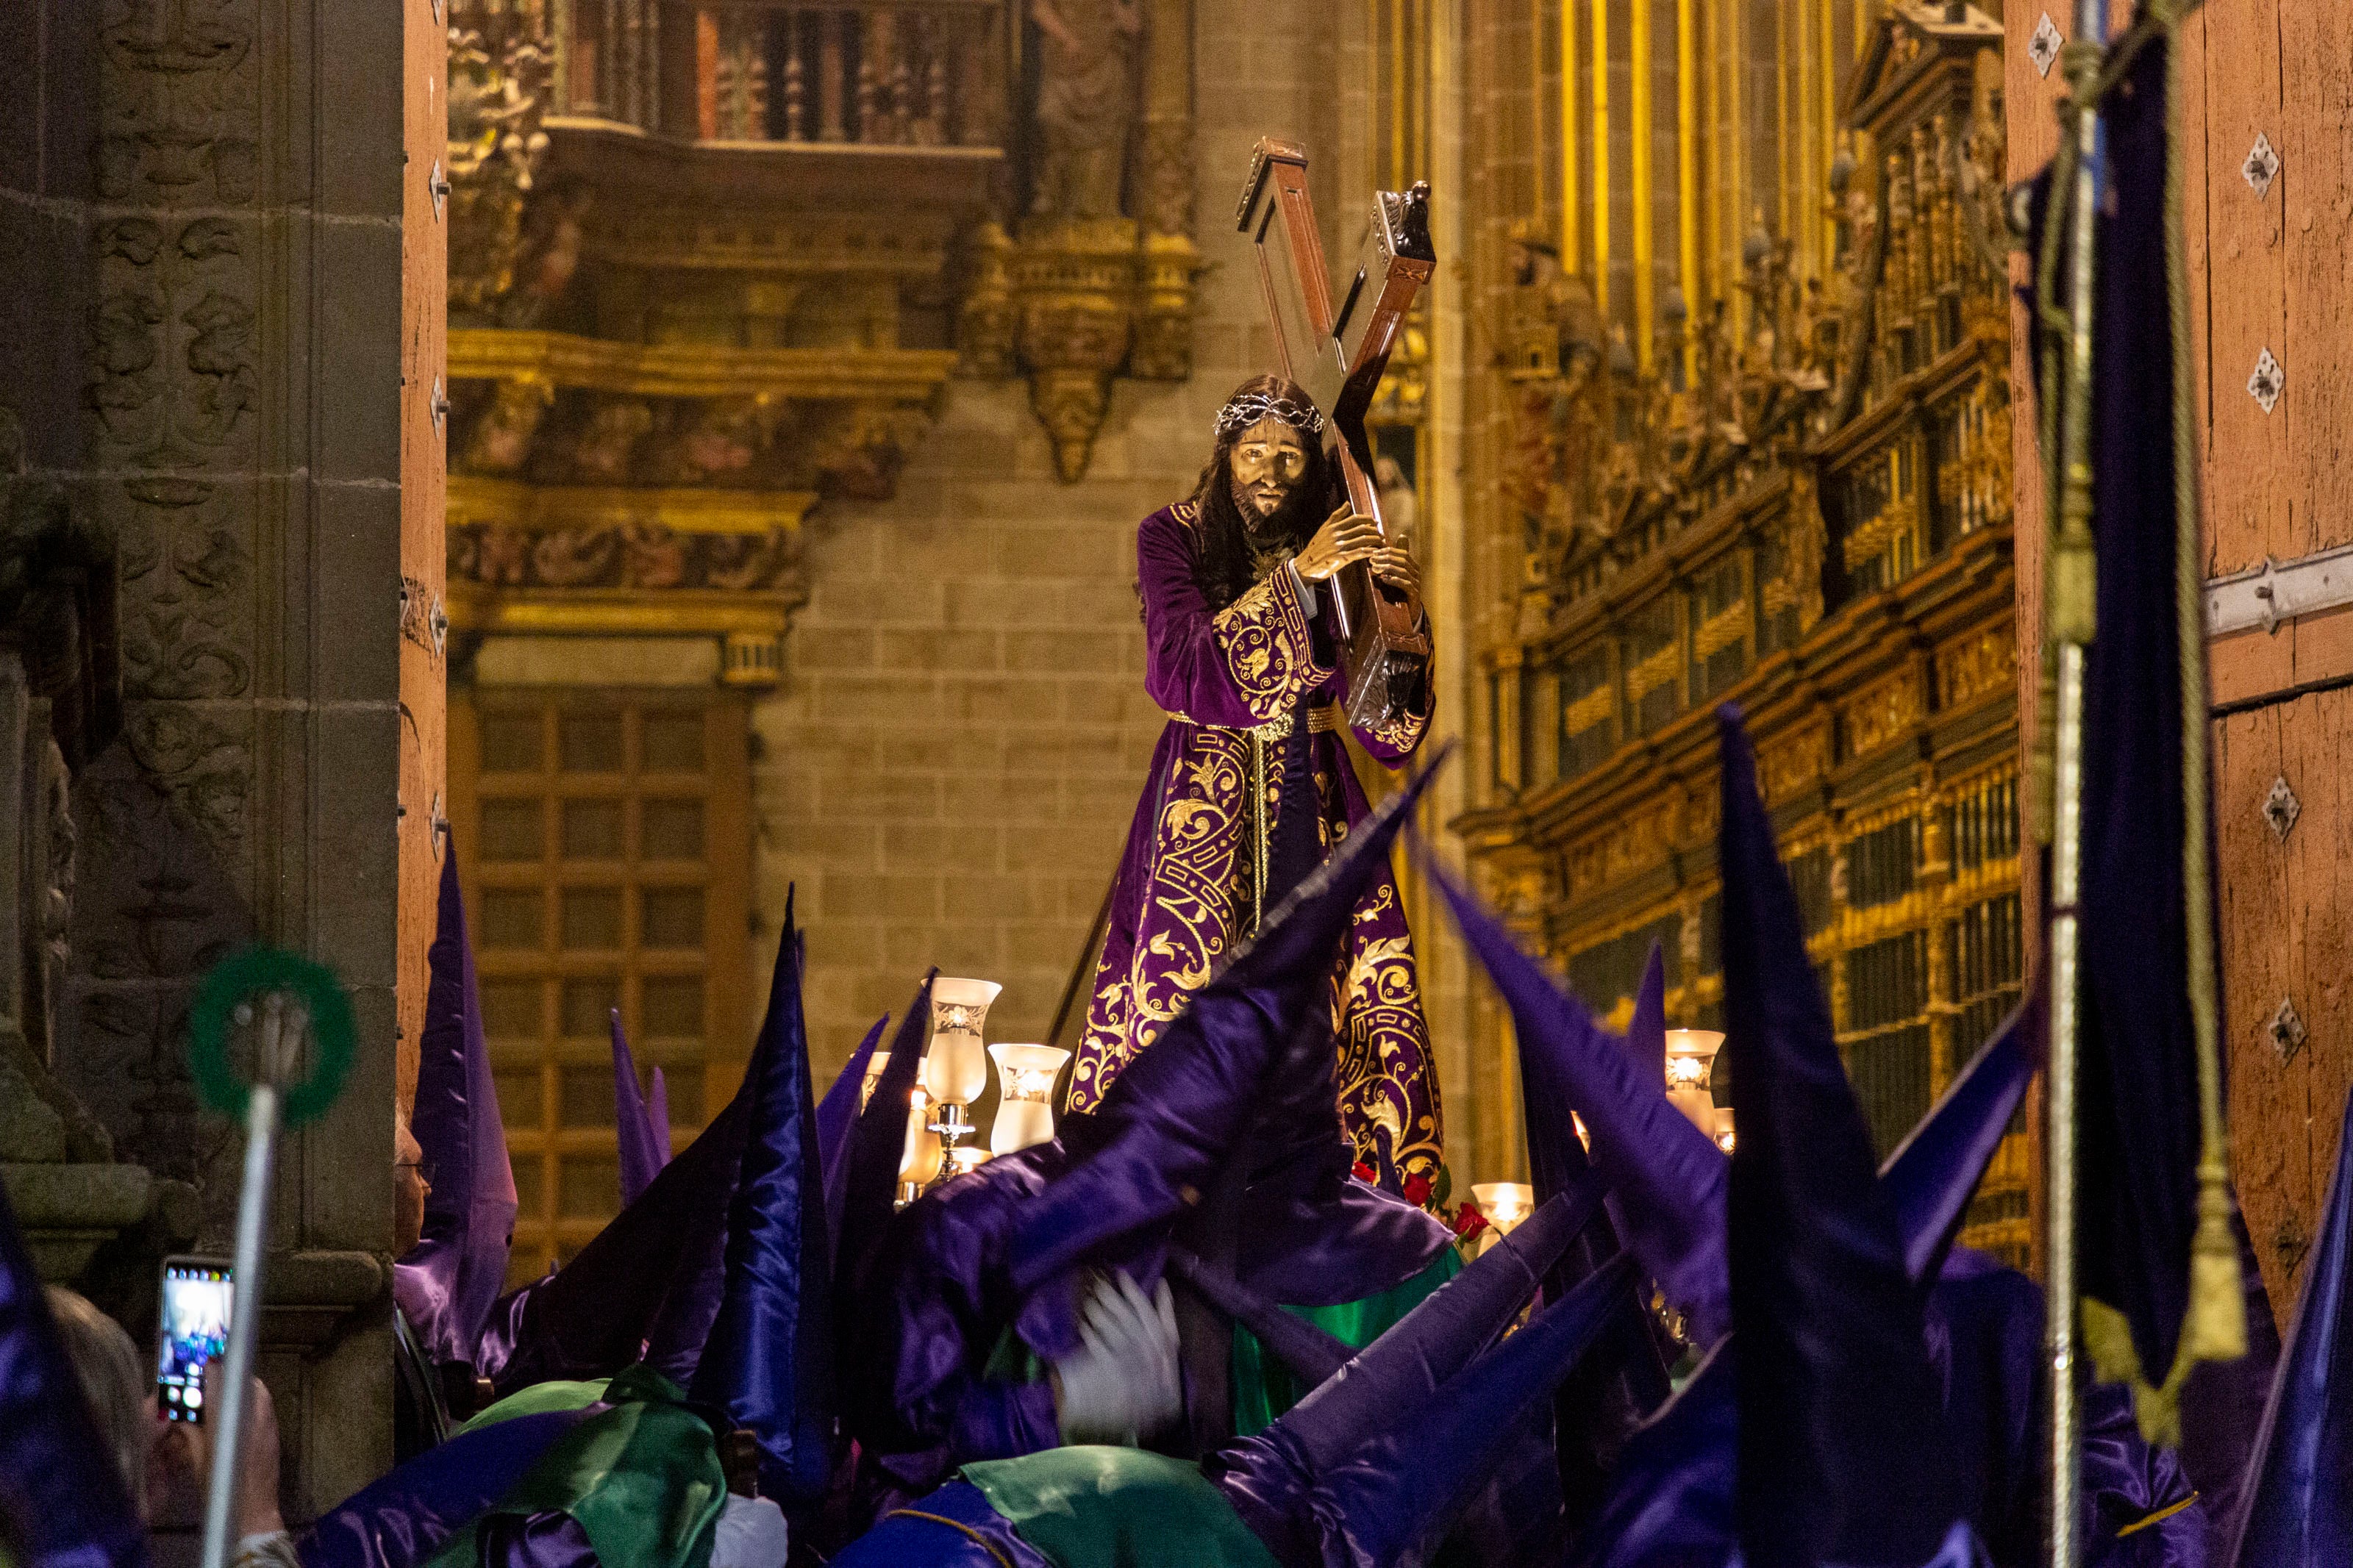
918	1157
1504	1204
1725	1140
1691	1061
957	1069
1025	1087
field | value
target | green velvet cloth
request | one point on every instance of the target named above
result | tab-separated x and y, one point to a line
1090	1506
537	1400
1264	1388
643	1481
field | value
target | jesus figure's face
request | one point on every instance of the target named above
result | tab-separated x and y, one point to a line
1269	462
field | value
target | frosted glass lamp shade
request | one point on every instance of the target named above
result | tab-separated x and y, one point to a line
1025	1082
919	1159
961	1005
956	1070
1504	1204
1691	1062
1725	1138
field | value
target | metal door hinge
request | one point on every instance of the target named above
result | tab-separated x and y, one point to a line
2279	591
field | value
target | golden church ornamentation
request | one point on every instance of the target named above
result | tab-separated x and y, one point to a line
1879	715
1793	499
501	72
1971	667
1096	279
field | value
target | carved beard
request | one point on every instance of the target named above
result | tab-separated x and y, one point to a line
1287	526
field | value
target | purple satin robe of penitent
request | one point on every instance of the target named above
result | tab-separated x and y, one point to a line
933	1292
1234	682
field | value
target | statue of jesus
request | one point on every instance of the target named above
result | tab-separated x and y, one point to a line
1250	785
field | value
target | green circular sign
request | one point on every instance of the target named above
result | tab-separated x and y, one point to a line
254	971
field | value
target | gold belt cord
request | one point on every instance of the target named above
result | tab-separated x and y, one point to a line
1259	829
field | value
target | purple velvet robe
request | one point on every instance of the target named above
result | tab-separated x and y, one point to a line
1232	682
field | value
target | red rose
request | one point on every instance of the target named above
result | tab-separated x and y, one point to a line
1364	1173
1417	1188
1468	1221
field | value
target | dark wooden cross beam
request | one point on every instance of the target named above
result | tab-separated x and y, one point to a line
1337	354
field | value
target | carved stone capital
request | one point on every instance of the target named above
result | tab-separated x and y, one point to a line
1072	303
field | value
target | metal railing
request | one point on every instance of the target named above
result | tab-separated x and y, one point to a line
911	73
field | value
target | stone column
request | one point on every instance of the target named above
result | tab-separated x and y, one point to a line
201	215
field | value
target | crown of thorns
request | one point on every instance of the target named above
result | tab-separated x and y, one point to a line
1252	407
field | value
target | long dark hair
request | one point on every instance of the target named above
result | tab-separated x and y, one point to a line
1224	559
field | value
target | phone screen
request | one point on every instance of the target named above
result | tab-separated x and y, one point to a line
198	1296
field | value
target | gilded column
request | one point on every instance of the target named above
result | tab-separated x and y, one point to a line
1826	149
1687	210
1781	127
1935	883
1601	158
1640	125
1736	154
1572	237
1713	164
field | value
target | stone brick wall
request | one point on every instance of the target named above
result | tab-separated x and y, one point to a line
950	765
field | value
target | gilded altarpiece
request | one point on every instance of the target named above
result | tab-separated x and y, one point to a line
1800	506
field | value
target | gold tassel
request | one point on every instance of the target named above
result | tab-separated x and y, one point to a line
2215	1328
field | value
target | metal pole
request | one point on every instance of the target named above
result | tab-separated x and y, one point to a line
279	1029
2071	598
244	1324
2066	1426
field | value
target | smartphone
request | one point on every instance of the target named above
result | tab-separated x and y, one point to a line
199	1294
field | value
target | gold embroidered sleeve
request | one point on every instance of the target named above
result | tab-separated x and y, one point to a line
1269	647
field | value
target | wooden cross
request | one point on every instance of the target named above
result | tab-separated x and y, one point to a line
1337	356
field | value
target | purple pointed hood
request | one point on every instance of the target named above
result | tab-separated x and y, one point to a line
1272	1478
1311	1354
2295	1506
593	1316
1169	1122
1646	1031
58	1485
1268	1476
1391	1502
403	1516
769	1359
658	1117
633	1124
1668	1179
448	1282
877	1146
1932	1175
1840	1425
837	1125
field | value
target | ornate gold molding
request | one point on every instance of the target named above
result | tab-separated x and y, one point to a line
474	499
695	370
750	630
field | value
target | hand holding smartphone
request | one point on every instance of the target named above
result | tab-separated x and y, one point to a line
199	1295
